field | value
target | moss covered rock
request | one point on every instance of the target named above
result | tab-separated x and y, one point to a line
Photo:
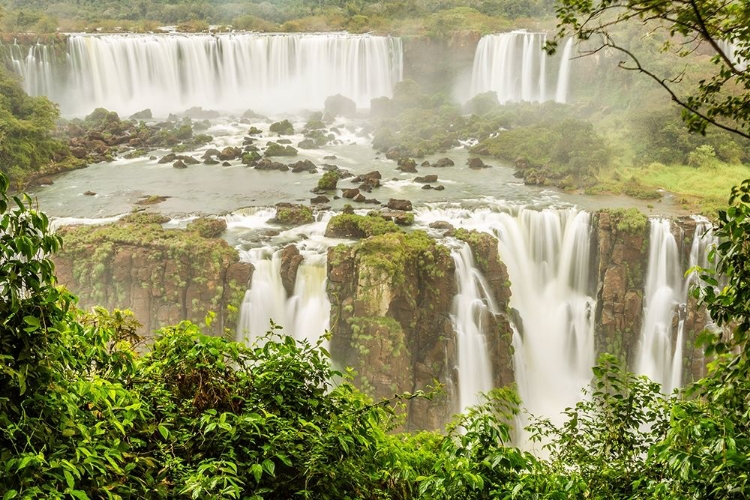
293	215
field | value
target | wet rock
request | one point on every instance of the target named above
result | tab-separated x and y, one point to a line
283	127
408	165
439	187
425	164
426	179
399	217
211	152
179	164
307	144
275	149
444	162
441	224
372	201
393	154
226	164
475	163
293	215
350	193
283	141
152	200
330	157
230	153
395	204
208	227
303	166
254	131
89	193
188	160
168	158
198	113
142	115
319	200
266	164
360	198
290	262
426	186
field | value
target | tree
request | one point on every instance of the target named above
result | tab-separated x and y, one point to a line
722	99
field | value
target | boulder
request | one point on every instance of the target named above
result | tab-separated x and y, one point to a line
290	262
426	179
230	153
142	115
293	215
338	105
475	163
179	164
208	227
350	193
303	166
443	162
319	200
404	205
408	165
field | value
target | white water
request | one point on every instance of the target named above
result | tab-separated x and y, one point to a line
305	315
665	300
547	254
472	305
515	67
231	72
730	50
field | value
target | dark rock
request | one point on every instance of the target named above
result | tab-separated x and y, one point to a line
319	200
188	160
439	187
230	153
408	165
443	162
211	152
426	186
151	200
168	158
395	204
350	193
307	144
290	262
303	166
226	164
359	198
254	131
393	154
89	193
210	161
142	115
426	179
400	218
282	128
476	163
425	164
329	157
275	149
441	224
372	201
283	141
179	164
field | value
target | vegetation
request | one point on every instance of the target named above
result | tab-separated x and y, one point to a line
27	144
84	416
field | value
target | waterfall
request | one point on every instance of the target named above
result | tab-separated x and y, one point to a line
304	315
230	72
515	67
729	48
471	307
660	353
547	254
563	78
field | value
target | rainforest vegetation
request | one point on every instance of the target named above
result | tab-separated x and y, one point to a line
87	411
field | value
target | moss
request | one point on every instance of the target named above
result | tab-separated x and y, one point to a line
359	226
629	220
328	181
275	149
282	128
391	252
294	214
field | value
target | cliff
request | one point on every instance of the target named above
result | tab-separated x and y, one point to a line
163	275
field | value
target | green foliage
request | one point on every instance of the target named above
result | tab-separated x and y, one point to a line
26	125
359	226
328	181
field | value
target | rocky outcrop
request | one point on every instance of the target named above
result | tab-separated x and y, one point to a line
622	246
163	276
391	297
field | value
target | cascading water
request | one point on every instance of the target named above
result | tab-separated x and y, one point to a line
515	67
548	257
233	72
471	307
304	315
660	354
730	50
547	254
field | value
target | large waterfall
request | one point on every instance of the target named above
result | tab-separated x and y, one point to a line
232	72
548	257
515	67
471	307
660	354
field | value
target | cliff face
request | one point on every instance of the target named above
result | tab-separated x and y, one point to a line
622	245
163	276
391	297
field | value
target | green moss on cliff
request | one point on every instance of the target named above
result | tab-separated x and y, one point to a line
629	220
359	226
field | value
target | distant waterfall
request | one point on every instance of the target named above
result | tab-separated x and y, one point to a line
305	315
471	307
515	67
660	354
232	72
730	50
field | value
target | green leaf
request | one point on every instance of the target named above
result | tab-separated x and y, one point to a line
163	431
257	471
69	479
